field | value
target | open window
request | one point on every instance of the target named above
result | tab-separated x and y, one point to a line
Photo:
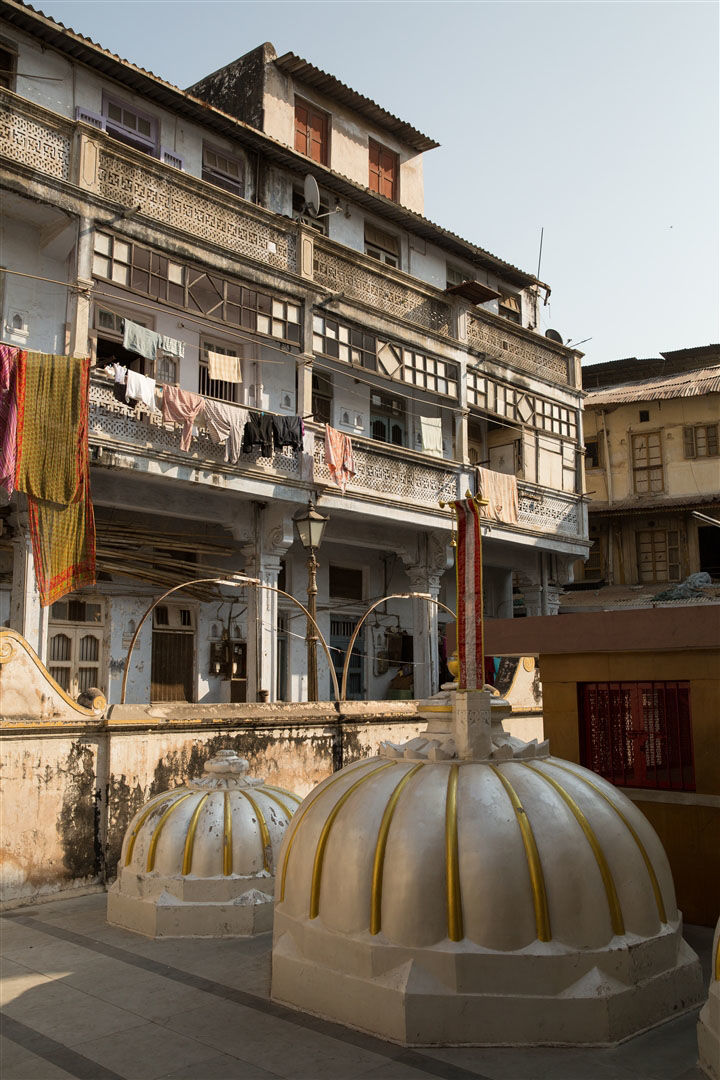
8	65
388	422
381	245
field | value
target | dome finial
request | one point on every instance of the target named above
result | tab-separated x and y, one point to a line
227	762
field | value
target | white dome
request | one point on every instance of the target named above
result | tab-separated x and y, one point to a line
434	895
499	855
709	1021
197	850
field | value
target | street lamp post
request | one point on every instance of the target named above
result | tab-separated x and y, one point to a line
310	526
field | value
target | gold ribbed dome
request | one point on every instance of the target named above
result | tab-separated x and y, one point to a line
467	888
222	823
201	859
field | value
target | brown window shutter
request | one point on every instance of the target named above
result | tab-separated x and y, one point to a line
712	440
689	442
301	129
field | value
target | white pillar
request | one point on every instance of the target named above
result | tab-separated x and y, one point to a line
425	631
26	614
262	628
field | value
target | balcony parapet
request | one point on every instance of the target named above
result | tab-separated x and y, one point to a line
76	153
545	510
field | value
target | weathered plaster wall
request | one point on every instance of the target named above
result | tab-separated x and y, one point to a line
39	307
68	798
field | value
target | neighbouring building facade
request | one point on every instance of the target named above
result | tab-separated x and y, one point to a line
652	473
185	212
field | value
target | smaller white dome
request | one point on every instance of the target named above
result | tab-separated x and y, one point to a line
200	859
709	1022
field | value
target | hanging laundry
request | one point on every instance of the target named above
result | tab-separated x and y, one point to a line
52	469
182	407
120	383
140	340
339	456
172	346
501	492
224	368
258	432
9	357
226	424
431	435
288	431
140	388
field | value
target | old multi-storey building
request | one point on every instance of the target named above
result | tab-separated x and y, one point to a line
126	198
652	473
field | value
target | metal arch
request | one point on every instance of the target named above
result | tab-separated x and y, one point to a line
356	631
240	581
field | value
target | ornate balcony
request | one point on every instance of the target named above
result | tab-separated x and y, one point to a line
547	511
63	151
386	473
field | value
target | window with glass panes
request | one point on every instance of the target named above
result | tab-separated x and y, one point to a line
216	388
430	373
658	555
128	125
200	291
342	342
521	407
701	441
75	635
8	59
647	463
223	170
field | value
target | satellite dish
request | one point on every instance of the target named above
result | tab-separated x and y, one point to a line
554	336
312	196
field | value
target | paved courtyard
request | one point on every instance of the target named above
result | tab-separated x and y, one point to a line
83	999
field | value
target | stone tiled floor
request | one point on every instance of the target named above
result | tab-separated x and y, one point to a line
83	999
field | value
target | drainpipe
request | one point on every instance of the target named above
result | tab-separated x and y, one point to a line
608	482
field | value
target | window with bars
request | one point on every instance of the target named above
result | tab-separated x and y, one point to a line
200	291
131	127
701	441
387	419
322	397
223	170
216	388
658	555
311	132
384	170
638	734
647	463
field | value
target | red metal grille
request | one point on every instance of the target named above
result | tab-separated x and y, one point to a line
638	734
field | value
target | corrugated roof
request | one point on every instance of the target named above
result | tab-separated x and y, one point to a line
327	84
652	504
86	51
687	384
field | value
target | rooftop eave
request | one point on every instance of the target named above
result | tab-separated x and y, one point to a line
151	86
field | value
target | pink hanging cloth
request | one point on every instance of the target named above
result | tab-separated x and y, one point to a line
182	407
339	456
9	356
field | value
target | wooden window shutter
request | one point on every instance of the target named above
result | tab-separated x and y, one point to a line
712	440
301	128
383	170
689	442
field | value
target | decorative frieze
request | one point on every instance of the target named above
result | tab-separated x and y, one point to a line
168	199
507	347
25	139
546	512
381	291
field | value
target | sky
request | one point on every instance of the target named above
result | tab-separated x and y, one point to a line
595	122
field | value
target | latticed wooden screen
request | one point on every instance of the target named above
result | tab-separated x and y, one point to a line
638	734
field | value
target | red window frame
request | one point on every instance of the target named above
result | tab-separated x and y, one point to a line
311	131
384	170
638	734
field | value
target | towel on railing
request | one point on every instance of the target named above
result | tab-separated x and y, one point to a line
226	424
501	492
140	388
339	456
182	407
222	368
431	434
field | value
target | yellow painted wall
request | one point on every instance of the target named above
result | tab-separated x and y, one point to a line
689	831
696	476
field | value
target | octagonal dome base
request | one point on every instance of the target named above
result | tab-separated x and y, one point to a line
226	907
708	1030
450	996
